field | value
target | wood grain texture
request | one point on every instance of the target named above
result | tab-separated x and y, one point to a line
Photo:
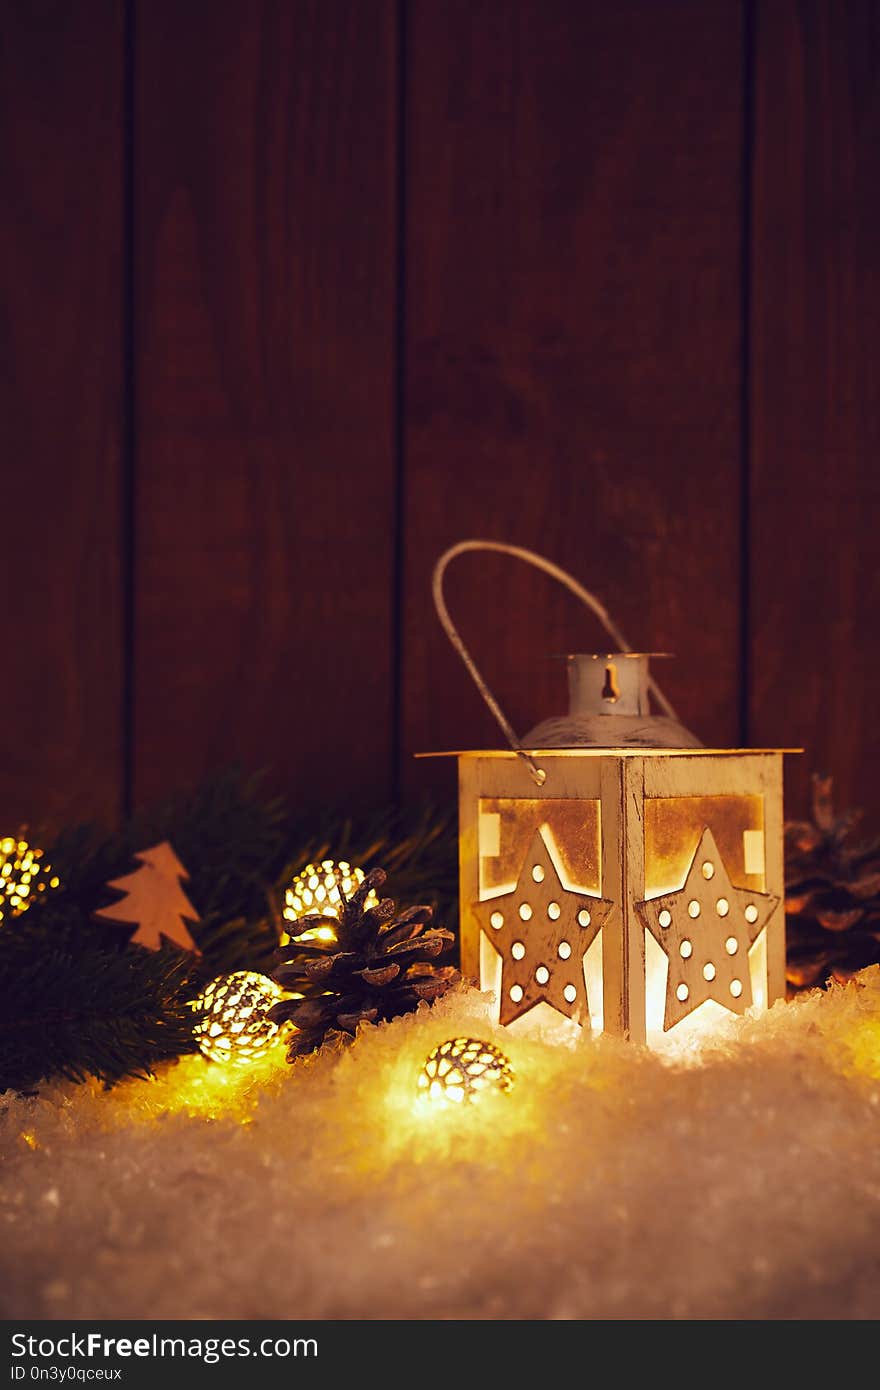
265	245
574	349
815	438
61	86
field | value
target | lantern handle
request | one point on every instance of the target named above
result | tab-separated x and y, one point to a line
589	600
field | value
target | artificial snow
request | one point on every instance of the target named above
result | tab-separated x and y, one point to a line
740	1181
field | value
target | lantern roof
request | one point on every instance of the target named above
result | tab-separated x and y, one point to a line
633	751
612	656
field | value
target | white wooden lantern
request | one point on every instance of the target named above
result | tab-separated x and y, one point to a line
612	870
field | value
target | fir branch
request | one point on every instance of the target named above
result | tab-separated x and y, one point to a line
235	944
72	1012
230	835
417	846
76	998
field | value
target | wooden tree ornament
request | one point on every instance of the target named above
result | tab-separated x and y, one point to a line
154	901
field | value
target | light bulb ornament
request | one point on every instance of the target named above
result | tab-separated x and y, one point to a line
233	1026
461	1070
24	875
320	890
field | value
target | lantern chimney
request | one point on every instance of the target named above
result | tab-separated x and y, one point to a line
608	707
612	684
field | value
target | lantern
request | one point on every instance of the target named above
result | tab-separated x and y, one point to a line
613	870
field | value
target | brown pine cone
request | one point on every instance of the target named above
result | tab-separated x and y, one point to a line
379	966
832	895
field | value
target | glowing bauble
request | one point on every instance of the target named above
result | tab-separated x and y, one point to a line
319	890
23	875
462	1069
233	1026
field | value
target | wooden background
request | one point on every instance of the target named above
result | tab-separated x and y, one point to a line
297	293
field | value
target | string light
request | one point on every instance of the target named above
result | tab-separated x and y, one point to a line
23	875
319	889
461	1069
233	1026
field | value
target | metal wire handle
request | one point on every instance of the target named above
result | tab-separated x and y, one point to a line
589	600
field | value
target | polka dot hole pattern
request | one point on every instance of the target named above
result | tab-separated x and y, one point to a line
23	874
318	890
234	1027
460	1070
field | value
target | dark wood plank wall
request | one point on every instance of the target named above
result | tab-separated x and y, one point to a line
265	473
815	418
597	279
61	408
573	336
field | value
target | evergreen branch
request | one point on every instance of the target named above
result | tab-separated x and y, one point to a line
236	944
76	998
89	1011
418	848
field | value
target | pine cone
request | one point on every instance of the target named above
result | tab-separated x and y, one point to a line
378	967
832	895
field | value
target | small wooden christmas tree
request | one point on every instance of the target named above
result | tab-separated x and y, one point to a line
154	900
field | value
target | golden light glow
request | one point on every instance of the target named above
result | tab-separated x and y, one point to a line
626	836
319	890
461	1069
507	825
234	1027
673	825
23	876
192	1086
717	950
857	1046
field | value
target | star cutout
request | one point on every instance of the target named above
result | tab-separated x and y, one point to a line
542	930
706	929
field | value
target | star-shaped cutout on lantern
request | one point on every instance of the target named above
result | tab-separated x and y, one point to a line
706	929
542	931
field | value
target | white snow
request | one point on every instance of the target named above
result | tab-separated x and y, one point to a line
610	1182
